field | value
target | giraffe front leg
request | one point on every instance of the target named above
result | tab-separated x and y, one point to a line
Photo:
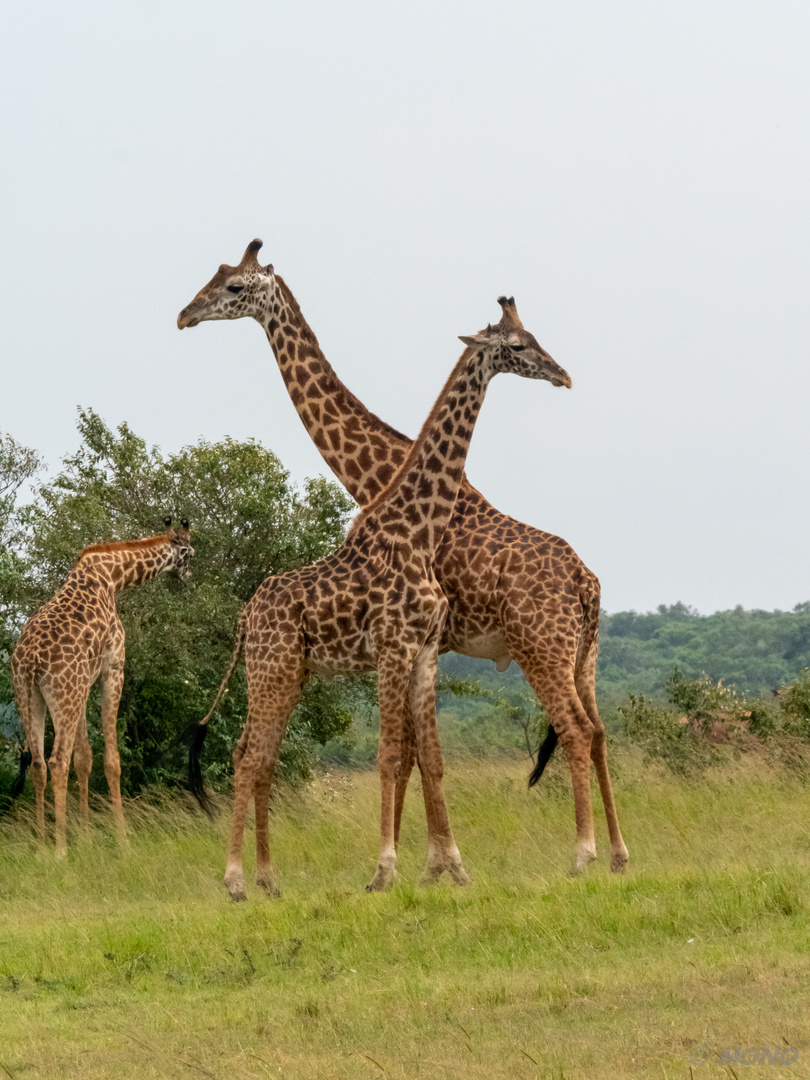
407	762
111	696
443	853
393	694
265	872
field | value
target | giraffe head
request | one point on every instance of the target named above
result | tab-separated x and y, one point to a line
233	292
180	549
512	348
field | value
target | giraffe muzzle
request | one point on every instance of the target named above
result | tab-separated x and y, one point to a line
563	379
186	318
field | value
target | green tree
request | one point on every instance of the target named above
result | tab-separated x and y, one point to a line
247	521
18	465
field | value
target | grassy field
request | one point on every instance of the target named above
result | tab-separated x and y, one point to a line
135	964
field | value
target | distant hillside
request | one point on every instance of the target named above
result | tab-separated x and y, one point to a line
755	650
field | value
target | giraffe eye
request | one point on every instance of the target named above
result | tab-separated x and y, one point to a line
235	289
517	348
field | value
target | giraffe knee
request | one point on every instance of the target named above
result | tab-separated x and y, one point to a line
58	769
112	768
432	770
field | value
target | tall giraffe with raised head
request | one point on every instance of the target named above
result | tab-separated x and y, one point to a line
374	604
515	592
73	640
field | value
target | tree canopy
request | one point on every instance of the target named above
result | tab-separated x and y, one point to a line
248	520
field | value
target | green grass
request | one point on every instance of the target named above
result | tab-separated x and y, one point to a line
135	964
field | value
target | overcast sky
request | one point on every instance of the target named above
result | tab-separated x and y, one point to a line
636	174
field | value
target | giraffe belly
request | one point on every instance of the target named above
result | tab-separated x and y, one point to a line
328	666
488	646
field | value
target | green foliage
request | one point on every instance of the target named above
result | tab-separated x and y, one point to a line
754	650
247	521
663	737
757	651
794	702
18	465
681	739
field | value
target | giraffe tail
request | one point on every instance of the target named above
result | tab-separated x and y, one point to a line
23	688
547	748
590	597
195	778
19	782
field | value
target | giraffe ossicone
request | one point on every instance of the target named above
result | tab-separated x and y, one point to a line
515	592
73	640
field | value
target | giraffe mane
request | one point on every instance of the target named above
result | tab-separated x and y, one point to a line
125	545
416	445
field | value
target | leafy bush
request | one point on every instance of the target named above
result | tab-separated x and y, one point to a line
247	521
663	736
794	702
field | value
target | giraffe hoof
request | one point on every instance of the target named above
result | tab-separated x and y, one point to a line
270	887
456	871
382	880
431	875
459	875
236	889
618	864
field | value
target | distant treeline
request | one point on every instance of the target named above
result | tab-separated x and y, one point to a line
757	651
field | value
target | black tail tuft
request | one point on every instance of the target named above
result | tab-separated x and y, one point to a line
19	783
195	780
547	747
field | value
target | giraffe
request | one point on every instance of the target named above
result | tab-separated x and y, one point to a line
373	604
515	592
71	641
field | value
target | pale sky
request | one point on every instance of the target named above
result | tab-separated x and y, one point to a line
636	174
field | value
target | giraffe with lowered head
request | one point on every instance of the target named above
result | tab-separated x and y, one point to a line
515	592
73	640
373	604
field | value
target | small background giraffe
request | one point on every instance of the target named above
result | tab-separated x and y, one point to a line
73	640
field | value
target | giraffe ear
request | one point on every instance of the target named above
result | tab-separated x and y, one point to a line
269	270
474	339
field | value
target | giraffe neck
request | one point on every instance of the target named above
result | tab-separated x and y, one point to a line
361	450
122	566
418	505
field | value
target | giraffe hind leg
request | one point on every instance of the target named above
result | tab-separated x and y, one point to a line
556	690
271	699
33	712
586	688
